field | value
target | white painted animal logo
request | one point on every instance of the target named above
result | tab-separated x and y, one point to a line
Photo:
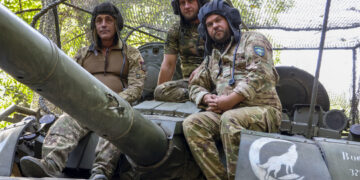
274	163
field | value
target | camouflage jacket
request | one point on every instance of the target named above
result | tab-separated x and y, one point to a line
136	75
185	42
255	74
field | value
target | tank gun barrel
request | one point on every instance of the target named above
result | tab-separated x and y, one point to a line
35	61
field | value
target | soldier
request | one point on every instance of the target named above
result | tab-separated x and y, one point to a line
183	40
239	68
118	66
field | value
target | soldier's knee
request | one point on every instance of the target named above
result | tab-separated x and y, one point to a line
228	117
188	124
225	123
158	92
64	116
229	120
59	124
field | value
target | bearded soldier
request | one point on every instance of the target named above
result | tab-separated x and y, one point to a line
182	40
239	68
118	66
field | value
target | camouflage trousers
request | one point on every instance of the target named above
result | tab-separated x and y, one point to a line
172	91
203	129
63	137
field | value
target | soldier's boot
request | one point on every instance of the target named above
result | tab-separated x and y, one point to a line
33	167
106	160
97	173
98	177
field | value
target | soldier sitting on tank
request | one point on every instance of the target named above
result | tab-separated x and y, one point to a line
239	67
182	40
118	66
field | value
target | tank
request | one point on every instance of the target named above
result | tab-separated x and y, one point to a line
150	133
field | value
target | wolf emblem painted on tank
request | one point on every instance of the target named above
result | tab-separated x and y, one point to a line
270	169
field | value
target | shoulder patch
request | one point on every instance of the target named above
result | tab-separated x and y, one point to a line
259	50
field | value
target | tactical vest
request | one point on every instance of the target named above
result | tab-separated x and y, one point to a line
111	68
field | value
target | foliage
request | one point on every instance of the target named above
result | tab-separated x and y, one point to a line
252	10
13	92
277	57
340	101
4	124
137	39
75	30
18	6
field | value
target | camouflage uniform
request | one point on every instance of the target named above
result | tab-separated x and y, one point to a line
65	134
255	77
185	41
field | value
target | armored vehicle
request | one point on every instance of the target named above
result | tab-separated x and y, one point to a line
150	133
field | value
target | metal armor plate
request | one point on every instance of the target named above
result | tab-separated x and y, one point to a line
264	156
342	157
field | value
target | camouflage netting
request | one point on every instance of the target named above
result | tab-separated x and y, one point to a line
284	21
289	24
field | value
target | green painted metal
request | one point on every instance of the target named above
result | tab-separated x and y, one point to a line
9	137
153	54
342	158
35	61
273	156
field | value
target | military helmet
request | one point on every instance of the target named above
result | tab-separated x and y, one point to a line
220	7
110	9
176	6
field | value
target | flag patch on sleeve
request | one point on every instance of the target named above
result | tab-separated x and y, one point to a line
259	50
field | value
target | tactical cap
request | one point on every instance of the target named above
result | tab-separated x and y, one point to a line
220	7
110	9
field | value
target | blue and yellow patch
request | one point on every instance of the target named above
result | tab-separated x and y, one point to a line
259	50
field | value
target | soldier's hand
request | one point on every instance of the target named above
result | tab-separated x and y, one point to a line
214	109
227	102
224	103
209	99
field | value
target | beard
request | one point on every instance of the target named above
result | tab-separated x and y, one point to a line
190	19
222	43
224	39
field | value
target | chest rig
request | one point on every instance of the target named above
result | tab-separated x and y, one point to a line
110	68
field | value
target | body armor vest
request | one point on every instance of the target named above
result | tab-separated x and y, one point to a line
110	68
